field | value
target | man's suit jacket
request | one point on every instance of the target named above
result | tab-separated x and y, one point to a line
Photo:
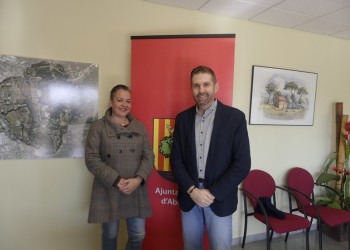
228	161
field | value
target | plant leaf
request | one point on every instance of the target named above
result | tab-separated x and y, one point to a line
324	177
322	199
332	158
334	205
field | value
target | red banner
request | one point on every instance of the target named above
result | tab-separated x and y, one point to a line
161	88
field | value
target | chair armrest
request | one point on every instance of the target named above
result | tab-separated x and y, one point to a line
296	197
246	193
312	202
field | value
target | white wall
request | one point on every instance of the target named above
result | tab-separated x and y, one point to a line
44	203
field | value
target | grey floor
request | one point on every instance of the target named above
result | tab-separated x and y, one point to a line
296	242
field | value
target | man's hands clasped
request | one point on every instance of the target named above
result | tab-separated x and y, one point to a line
202	197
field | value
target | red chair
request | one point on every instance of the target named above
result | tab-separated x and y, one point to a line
301	183
260	184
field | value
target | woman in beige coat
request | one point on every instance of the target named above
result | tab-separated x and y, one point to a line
119	155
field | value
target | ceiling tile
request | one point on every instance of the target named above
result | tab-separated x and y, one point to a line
344	34
328	17
340	16
281	18
192	4
233	8
322	26
313	7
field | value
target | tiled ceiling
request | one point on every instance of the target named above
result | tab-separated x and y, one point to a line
327	17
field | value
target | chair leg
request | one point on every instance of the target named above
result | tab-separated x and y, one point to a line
245	231
320	234
268	238
307	238
348	234
245	221
286	238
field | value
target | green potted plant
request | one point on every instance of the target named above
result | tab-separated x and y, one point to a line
331	177
337	177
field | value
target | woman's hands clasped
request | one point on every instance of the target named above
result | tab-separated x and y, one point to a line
128	186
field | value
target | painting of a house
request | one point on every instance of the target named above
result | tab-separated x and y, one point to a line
282	96
280	103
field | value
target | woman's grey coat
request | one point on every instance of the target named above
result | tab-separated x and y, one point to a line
111	151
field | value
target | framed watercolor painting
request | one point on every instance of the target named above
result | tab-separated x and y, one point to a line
282	97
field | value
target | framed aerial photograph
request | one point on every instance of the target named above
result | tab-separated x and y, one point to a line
46	107
282	97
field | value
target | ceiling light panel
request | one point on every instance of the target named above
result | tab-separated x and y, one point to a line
267	3
232	8
187	4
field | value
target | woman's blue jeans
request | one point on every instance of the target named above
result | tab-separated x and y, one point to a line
193	229
136	232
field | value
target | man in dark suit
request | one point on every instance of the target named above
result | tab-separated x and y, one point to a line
209	159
